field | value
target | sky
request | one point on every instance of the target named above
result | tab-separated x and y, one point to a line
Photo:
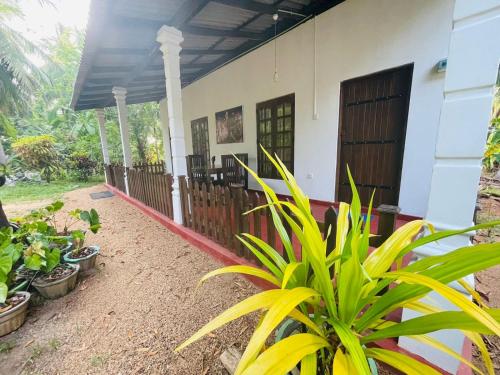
40	22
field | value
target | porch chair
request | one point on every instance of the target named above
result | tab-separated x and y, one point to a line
234	174
197	169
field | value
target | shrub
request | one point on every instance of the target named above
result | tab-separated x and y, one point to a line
341	298
38	153
82	165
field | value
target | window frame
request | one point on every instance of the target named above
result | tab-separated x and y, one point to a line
274	104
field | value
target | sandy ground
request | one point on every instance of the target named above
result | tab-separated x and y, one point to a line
129	315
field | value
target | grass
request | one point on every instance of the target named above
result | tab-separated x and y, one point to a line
98	360
54	344
7	346
24	191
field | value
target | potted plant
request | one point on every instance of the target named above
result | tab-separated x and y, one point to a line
85	256
53	279
13	303
339	295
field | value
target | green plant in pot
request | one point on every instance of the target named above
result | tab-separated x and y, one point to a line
13	302
53	279
340	295
85	256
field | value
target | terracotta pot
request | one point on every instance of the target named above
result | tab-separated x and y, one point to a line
86	263
14	318
58	288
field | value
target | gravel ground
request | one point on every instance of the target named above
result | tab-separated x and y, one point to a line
129	315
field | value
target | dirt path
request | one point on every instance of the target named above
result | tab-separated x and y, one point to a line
128	316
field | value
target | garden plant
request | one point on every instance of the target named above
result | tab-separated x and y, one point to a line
341	296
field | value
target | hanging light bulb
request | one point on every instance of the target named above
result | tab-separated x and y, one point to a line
275	76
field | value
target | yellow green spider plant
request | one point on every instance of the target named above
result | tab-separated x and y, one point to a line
341	297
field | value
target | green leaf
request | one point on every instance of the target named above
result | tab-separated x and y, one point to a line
5	267
33	262
352	344
53	258
433	322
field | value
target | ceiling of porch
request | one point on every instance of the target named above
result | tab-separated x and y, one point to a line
121	50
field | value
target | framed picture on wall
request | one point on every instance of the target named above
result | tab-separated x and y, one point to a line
229	125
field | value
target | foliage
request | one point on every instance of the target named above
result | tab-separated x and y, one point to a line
19	77
38	153
39	256
491	158
10	253
340	295
28	191
83	165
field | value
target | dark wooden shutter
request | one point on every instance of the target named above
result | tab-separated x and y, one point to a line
373	117
199	135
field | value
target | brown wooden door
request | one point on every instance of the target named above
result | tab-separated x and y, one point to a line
373	116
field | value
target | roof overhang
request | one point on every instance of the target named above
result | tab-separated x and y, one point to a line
121	49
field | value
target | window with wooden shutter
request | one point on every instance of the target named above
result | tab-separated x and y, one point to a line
199	135
275	132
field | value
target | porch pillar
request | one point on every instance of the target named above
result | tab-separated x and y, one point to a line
104	139
472	69
165	132
170	39
120	94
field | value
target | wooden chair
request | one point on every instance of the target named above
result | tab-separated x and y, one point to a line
234	174
197	169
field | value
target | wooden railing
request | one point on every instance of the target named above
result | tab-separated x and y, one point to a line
154	168
116	174
152	189
217	213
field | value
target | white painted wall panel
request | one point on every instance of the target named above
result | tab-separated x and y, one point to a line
355	38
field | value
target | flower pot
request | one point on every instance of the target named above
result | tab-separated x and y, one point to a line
290	327
57	288
12	319
86	263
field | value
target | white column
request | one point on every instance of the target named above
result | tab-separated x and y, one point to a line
120	94
165	132
104	139
473	59
170	39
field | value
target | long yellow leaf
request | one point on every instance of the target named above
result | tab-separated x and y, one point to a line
452	295
289	270
308	366
381	259
444	348
401	362
282	306
478	341
284	356
340	364
246	270
259	301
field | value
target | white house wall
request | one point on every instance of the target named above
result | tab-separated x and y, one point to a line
355	38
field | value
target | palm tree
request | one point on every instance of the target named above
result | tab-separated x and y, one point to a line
19	77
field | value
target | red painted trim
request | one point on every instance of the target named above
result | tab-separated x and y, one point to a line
225	256
326	204
210	247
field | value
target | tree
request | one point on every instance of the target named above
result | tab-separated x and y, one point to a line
19	77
